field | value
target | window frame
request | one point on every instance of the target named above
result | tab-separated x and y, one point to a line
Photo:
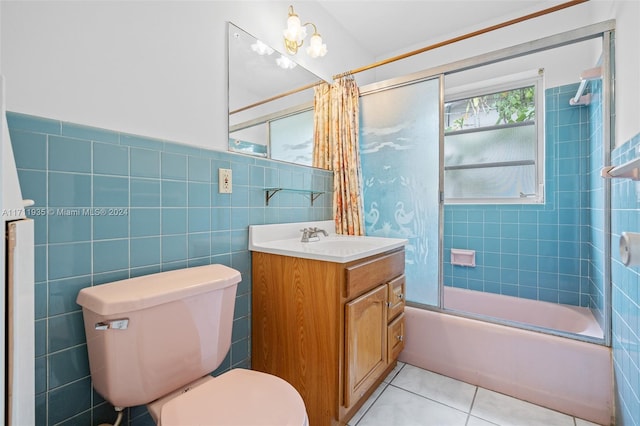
264	122
501	84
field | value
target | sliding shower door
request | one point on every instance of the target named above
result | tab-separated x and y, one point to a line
400	155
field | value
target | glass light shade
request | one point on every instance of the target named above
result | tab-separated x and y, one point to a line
261	49
285	63
295	31
316	47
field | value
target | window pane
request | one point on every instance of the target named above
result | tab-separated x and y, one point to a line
490	146
480	164
291	138
494	182
507	107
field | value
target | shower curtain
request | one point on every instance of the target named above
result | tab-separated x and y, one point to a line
336	124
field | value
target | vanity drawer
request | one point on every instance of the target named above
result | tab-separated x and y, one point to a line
373	272
396	292
395	337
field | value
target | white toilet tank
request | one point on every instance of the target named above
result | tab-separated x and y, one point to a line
150	335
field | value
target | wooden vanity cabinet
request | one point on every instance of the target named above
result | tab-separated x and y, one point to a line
332	330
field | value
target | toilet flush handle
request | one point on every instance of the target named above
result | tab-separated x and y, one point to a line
118	324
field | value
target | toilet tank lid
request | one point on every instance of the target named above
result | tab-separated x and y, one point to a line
150	290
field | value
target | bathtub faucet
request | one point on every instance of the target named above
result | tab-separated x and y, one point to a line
311	234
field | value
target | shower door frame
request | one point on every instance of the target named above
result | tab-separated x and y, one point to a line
606	31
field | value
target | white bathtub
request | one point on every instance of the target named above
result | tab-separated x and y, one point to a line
560	373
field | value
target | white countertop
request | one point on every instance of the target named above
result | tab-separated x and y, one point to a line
285	239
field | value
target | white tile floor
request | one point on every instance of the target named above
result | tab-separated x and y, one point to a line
412	396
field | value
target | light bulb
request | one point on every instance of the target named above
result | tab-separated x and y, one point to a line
295	31
261	48
316	47
285	63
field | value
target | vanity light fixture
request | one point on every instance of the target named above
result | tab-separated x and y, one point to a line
295	34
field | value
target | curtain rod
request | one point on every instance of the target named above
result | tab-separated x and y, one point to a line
462	37
421	50
273	98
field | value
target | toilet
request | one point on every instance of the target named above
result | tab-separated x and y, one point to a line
155	339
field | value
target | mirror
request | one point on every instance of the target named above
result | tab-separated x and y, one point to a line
270	101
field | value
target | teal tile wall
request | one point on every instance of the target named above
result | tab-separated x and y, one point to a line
625	217
110	206
596	188
541	251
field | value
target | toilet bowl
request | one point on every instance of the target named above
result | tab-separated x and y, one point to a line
155	339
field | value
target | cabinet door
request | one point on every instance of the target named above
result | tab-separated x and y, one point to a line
366	342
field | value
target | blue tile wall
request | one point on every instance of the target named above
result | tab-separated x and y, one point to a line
537	251
625	298
596	208
110	206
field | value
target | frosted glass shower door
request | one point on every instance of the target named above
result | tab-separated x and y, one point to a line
400	156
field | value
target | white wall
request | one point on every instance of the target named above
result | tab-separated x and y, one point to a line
158	68
627	90
155	68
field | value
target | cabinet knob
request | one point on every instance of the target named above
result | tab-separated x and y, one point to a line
400	337
400	296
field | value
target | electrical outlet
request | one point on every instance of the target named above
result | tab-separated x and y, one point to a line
224	181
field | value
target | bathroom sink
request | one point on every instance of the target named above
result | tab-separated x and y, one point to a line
332	248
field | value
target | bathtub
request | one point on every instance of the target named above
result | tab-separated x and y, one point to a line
567	375
566	318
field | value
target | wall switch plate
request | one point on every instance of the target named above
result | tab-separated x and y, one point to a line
224	181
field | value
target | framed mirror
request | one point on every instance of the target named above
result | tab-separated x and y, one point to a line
270	101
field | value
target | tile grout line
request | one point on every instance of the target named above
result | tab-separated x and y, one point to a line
473	400
375	400
426	397
371	406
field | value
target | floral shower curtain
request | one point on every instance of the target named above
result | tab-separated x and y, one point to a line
321	120
336	148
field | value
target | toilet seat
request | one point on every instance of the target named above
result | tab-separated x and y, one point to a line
237	398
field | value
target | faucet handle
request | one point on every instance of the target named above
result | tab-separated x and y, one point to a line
317	230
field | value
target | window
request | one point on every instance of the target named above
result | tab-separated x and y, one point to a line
493	147
285	135
291	138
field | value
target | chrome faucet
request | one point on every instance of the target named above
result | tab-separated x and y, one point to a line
311	234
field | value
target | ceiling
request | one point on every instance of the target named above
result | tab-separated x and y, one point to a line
388	27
